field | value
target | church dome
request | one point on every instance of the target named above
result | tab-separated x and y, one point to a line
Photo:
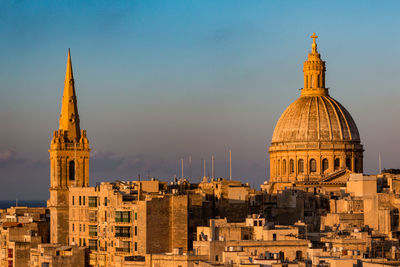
315	137
315	118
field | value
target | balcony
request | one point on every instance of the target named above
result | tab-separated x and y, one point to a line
126	250
122	234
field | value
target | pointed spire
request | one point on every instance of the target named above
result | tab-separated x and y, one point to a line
69	118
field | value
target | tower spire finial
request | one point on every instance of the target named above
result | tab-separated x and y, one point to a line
314	44
69	118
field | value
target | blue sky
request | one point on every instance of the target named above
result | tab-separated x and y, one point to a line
161	80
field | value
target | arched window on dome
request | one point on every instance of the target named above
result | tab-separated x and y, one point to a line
348	163
313	165
279	167
337	163
325	165
301	165
291	166
284	166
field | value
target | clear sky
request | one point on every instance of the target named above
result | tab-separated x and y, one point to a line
161	80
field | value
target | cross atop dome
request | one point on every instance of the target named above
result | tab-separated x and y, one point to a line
314	44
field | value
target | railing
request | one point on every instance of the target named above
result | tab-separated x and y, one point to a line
122	249
122	234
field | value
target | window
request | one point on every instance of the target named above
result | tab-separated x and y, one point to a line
135	216
122	216
72	170
291	163
325	165
301	166
105	215
80	200
284	166
73	200
84	201
274	237
279	167
313	165
73	227
135	230
80	241
135	246
306	81
105	201
93	202
337	163
92	230
122	231
348	163
84	227
312	81
84	242
124	247
80	227
92	244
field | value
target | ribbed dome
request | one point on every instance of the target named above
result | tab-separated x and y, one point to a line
314	119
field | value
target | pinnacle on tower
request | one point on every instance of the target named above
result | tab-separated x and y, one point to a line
69	118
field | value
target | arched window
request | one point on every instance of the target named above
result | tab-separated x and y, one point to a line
325	165
311	81
284	166
72	170
337	163
318	81
306	81
313	165
279	167
301	166
291	163
348	163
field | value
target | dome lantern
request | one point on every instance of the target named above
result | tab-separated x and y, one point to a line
314	72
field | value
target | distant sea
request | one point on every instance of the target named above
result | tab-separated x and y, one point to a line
5	204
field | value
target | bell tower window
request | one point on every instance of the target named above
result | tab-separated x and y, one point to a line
72	170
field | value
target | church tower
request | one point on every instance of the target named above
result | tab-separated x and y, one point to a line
69	160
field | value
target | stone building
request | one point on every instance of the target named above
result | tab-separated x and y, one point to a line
122	219
21	229
56	255
316	136
69	160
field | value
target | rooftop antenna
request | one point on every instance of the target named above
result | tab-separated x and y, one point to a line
212	167
190	165
230	164
380	163
139	176
204	168
182	168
